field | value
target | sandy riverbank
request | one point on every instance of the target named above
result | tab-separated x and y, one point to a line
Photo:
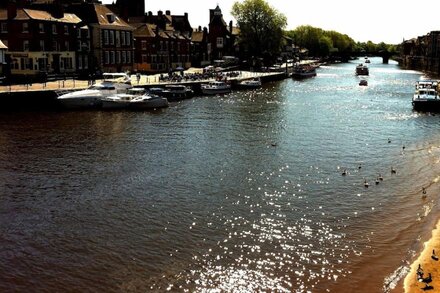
428	265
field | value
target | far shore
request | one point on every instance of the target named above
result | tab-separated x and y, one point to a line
429	264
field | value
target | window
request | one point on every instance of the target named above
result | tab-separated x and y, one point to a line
144	58
41	45
219	42
86	62
66	46
118	38
118	57
128	57
66	30
41	28
144	45
25	45
124	54
128	38
178	47
78	33
78	46
54	29
25	27
80	63
112	37
106	37
123	38
55	46
112	57
4	27
106	57
161	45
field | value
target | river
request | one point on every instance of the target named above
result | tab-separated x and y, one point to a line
241	192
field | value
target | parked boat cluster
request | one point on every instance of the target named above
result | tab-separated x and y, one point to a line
116	92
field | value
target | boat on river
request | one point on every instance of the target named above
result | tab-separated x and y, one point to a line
362	69
254	83
363	82
148	101
173	92
303	71
113	83
122	100
426	96
216	88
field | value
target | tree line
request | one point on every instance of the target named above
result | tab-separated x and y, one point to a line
262	29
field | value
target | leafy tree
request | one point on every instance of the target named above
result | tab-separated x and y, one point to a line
261	28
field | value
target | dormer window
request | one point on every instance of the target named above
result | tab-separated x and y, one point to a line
4	27
111	17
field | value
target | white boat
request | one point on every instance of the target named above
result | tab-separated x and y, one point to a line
426	96
362	69
147	101
367	60
92	97
250	83
121	101
216	87
303	71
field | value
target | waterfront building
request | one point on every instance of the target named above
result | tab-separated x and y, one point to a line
422	53
111	38
3	49
39	42
221	36
162	42
201	47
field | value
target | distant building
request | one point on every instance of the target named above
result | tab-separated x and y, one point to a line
162	42
111	38
38	41
127	9
201	47
221	37
422	53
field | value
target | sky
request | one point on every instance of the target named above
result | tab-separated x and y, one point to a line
388	21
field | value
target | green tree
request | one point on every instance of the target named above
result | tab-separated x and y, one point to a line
261	28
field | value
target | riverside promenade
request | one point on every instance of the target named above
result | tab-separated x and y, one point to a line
43	96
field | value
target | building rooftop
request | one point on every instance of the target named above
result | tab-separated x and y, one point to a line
2	46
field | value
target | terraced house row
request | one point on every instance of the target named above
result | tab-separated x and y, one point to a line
40	38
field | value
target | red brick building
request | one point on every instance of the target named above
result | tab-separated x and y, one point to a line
159	46
221	36
38	41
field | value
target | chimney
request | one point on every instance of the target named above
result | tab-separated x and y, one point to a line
200	28
186	15
12	9
57	10
230	26
167	12
150	13
205	30
160	13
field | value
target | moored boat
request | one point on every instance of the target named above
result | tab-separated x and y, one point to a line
250	83
148	101
362	69
426	96
215	88
303	71
92	97
121	101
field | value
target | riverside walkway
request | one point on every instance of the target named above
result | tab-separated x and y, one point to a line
145	81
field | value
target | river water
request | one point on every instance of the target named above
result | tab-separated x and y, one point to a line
237	193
